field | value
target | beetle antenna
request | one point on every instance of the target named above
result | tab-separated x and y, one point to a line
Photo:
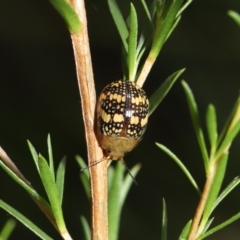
89	166
129	172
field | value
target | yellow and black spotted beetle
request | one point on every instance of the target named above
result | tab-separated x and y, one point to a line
122	116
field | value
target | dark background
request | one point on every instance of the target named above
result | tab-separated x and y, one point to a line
39	95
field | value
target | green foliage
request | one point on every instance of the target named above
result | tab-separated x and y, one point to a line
86	228
24	220
84	176
162	17
7	229
215	189
164	220
68	14
166	16
181	165
52	192
215	161
221	226
162	91
23	184
235	16
196	122
132	43
119	186
185	231
60	177
119	21
54	187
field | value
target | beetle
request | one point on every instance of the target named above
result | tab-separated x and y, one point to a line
121	118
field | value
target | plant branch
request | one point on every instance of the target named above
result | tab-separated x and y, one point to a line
145	71
9	163
202	203
6	159
98	173
215	168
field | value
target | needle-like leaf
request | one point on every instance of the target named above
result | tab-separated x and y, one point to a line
164	220
86	228
119	22
181	165
52	193
211	122
24	221
60	178
162	91
132	43
7	229
235	16
68	14
196	123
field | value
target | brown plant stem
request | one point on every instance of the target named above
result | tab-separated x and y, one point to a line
196	229
98	173
145	71
202	203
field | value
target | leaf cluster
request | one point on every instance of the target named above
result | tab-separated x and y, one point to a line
53	185
162	17
215	161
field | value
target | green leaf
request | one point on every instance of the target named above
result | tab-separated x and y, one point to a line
68	14
117	194
148	14
196	123
164	27
60	177
7	229
220	226
185	231
208	224
114	203
220	169
184	6
24	185
228	139
229	121
175	23
164	221
86	228
34	154
162	8
50	156
162	91
52	193
226	191
153	9
132	43
110	176
235	16
84	175
140	48
211	122
181	165
24	221
119	22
